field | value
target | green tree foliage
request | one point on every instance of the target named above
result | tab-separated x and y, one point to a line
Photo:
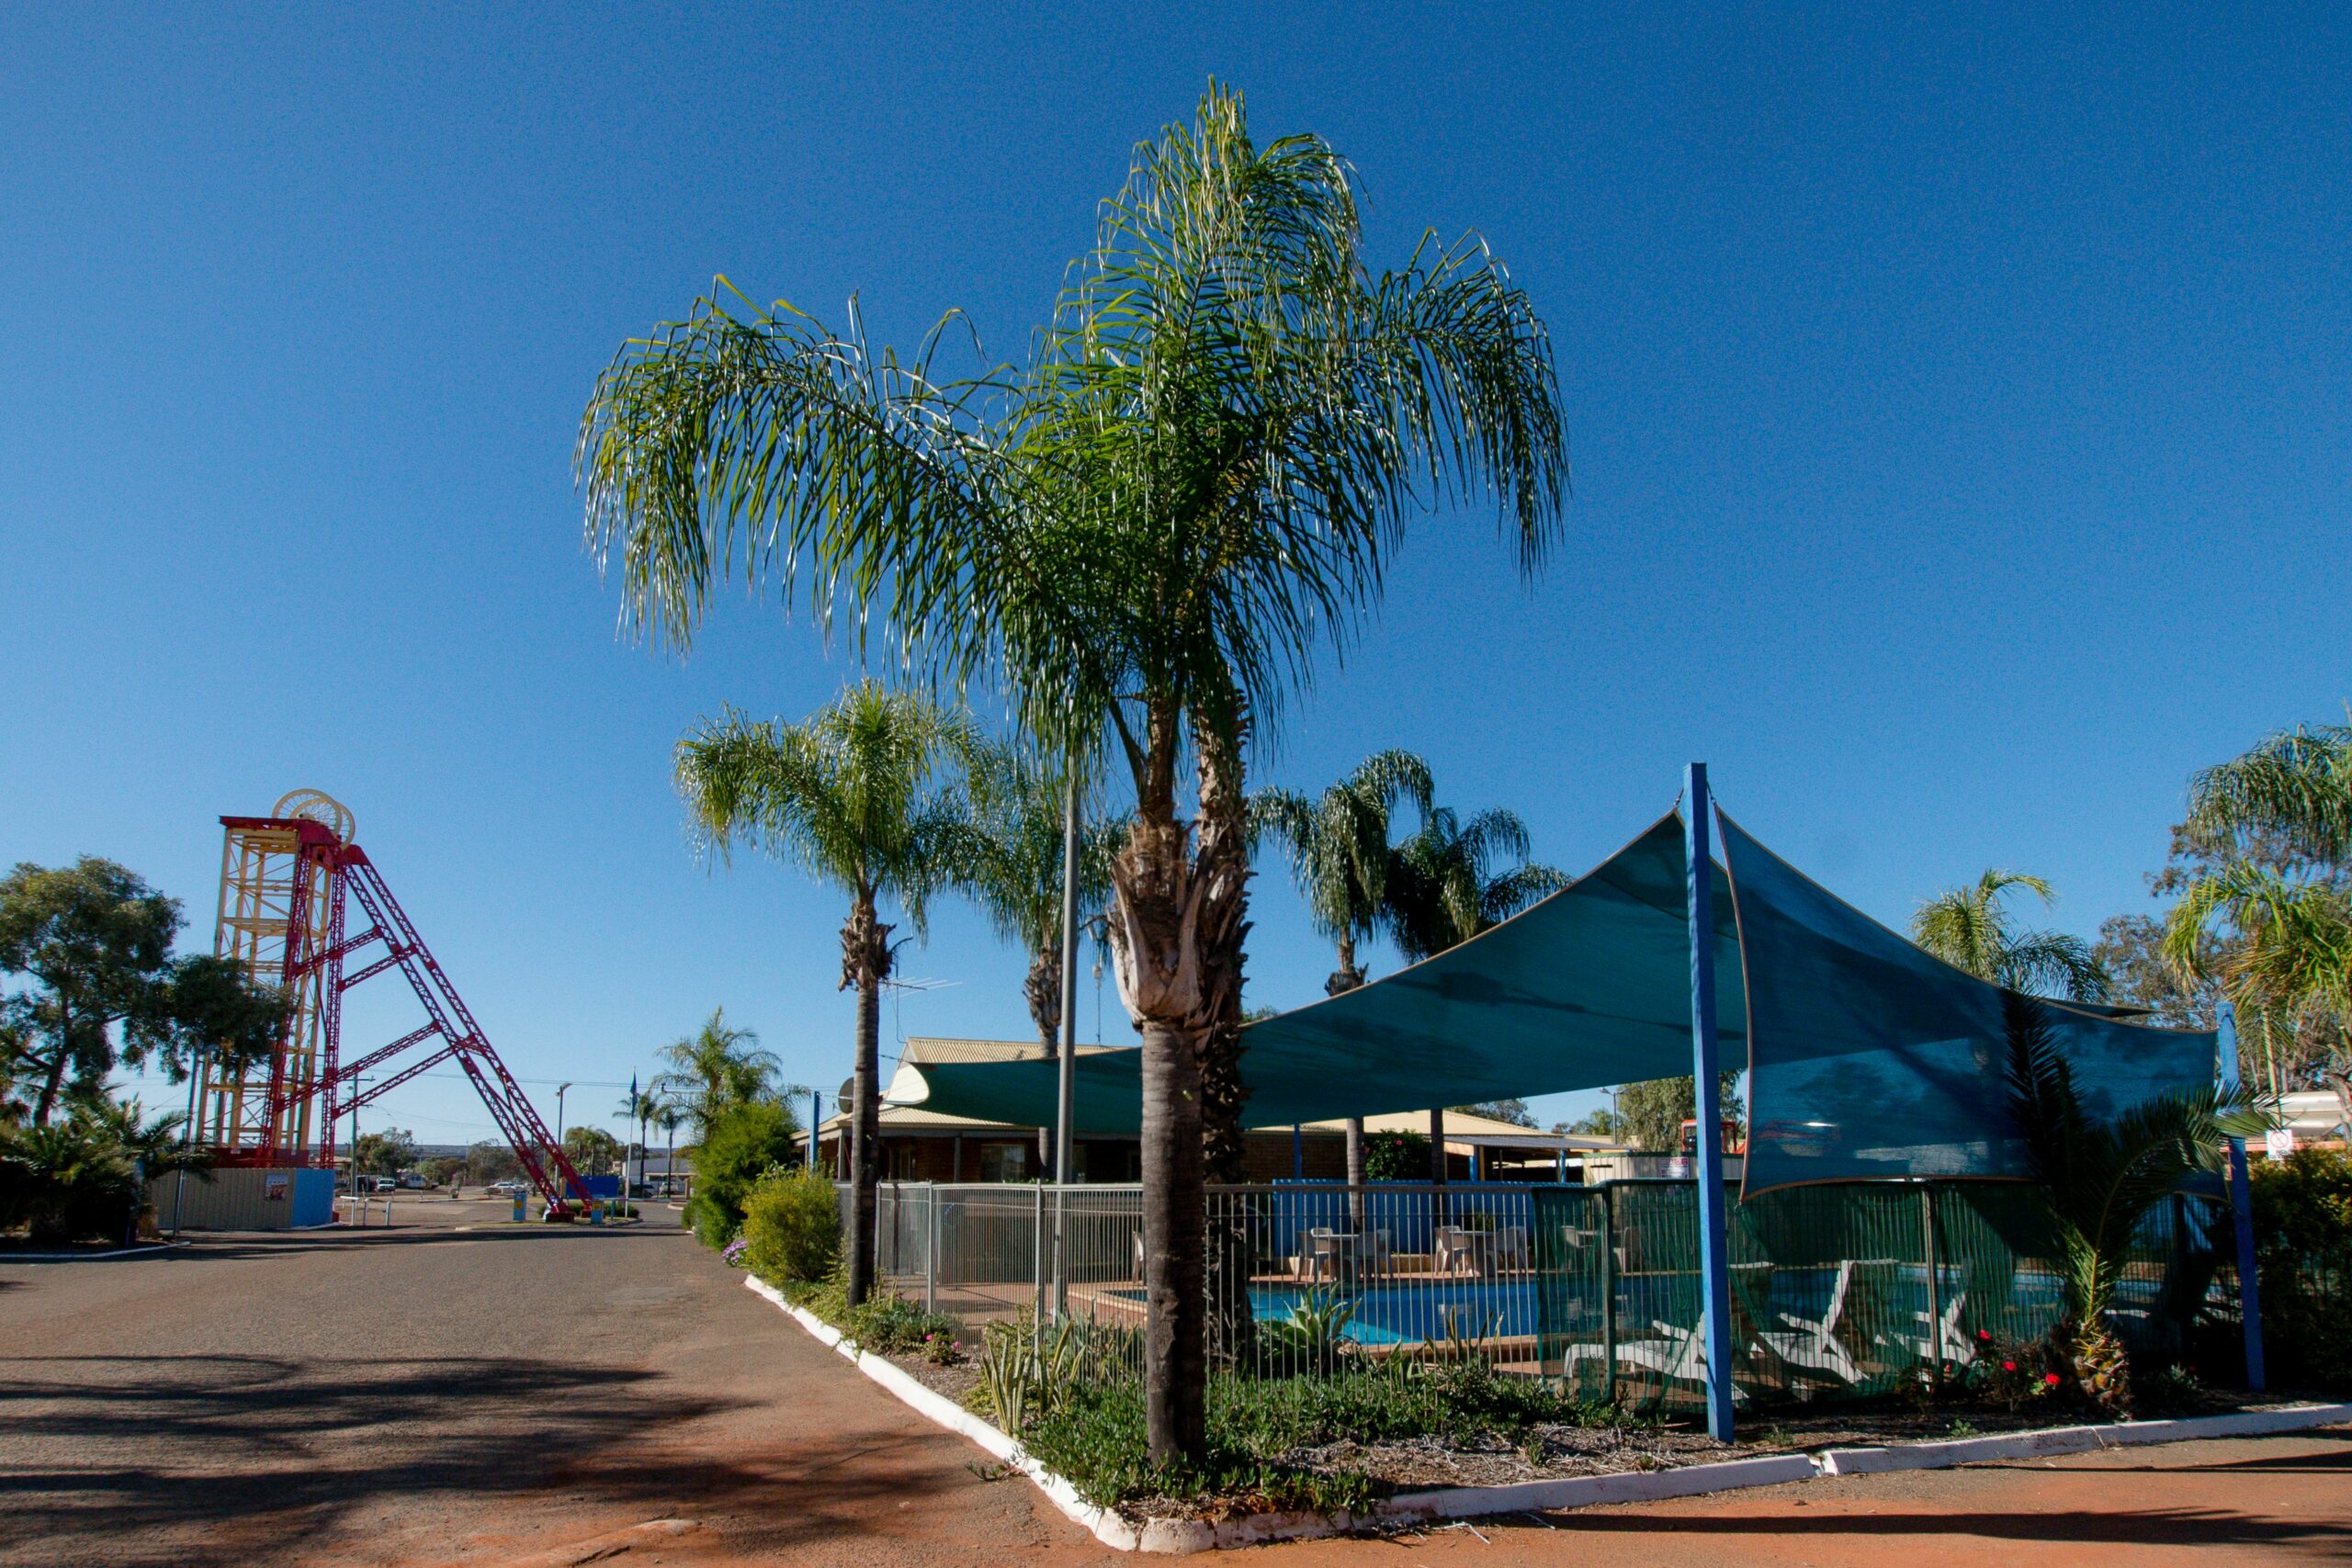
852	795
1650	1114
387	1153
1006	855
443	1168
1514	1111
89	946
490	1161
1145	535
2098	1180
792	1225
1449	881
1339	848
746	1140
2302	1228
1396	1157
715	1067
591	1151
1970	929
2267	907
80	1175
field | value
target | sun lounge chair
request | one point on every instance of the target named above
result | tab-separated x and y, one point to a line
1679	1354
1811	1344
1948	1344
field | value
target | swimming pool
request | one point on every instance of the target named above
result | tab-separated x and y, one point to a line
1396	1315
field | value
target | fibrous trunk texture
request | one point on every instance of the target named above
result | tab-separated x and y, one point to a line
1348	978
865	963
1044	990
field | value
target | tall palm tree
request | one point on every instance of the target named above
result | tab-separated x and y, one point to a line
848	794
1338	846
1143	536
2098	1180
672	1115
1008	858
1007	855
1970	929
1446	884
2278	820
713	1068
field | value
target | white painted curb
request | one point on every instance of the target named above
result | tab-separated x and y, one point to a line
1182	1537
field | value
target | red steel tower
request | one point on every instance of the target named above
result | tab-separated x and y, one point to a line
284	882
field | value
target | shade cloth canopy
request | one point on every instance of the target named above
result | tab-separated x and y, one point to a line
1871	1057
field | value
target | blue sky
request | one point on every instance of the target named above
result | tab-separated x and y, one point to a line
1960	417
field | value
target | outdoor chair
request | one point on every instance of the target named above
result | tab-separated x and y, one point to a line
1678	1355
1325	1254
1811	1344
1456	1245
1949	1343
1511	1247
1375	1256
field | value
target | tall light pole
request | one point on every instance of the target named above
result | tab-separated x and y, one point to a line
559	1114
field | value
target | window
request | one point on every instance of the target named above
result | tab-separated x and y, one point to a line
1004	1162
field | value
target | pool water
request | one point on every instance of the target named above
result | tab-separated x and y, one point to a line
1394	1314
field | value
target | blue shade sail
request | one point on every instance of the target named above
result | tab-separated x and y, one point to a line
1869	1058
1587	988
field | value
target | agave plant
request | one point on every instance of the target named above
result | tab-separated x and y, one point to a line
2100	1179
1312	1339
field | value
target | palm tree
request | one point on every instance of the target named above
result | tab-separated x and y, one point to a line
1445	885
848	794
1143	537
1970	929
2278	820
1339	846
1008	857
2098	1180
713	1068
670	1118
640	1106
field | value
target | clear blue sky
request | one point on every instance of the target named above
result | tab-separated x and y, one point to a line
1960	417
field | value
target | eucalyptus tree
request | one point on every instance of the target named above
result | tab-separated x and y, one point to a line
2276	825
1339	848
1972	929
851	794
1449	882
1143	537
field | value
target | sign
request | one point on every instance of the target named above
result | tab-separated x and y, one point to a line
275	1185
2279	1143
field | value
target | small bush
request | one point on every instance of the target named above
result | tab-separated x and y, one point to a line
2302	1226
744	1143
792	1225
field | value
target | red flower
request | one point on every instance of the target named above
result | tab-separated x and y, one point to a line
2008	1366
1984	1335
2051	1378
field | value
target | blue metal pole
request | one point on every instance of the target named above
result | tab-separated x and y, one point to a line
1714	1242
2241	1208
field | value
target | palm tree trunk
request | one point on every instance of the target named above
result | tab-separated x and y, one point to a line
1043	991
1348	978
1174	1236
1221	861
865	963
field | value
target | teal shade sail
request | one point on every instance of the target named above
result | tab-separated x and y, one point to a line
1871	1057
1868	1057
1587	987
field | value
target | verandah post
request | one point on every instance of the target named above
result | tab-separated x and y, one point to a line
1714	1250
2240	1205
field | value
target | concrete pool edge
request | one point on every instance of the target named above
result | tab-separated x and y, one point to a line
1184	1537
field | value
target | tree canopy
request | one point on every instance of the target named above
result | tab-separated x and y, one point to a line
89	946
1972	929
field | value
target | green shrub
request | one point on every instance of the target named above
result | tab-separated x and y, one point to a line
791	1221
744	1142
2302	1228
1091	1431
1396	1156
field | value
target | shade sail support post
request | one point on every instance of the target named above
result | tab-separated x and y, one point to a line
1714	1241
2240	1205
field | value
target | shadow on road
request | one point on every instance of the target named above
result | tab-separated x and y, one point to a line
260	1449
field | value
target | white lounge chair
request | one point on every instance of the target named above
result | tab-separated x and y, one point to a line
1949	1342
1812	1345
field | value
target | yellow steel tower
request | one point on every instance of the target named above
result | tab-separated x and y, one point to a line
276	919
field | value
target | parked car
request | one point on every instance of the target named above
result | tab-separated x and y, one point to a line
505	1189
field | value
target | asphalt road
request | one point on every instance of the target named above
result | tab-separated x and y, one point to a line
437	1394
461	1391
